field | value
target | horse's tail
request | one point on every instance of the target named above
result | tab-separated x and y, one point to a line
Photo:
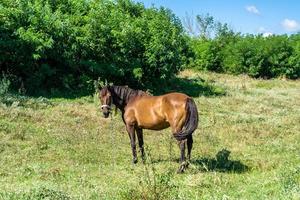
191	121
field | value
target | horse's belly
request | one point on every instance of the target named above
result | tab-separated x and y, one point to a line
154	126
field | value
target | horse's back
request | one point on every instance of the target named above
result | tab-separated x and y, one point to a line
156	112
169	100
175	98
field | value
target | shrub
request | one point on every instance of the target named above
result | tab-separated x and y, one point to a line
67	44
4	85
254	55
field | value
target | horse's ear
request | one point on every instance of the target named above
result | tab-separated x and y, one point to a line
98	84
108	83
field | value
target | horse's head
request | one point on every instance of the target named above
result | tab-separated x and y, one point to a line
106	100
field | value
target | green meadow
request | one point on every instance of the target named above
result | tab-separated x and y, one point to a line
247	146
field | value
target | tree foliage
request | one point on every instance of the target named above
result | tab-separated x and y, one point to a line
255	55
65	44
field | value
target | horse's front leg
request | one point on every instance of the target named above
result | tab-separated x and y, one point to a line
139	133
130	130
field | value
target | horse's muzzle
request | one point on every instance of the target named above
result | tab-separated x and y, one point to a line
106	115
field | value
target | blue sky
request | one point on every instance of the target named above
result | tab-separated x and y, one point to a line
246	16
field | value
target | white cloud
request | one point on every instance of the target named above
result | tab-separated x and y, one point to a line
267	34
252	9
290	25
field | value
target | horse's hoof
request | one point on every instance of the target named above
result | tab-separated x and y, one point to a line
187	164
181	169
134	161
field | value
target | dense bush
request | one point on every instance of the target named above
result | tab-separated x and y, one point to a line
49	44
221	49
261	57
256	56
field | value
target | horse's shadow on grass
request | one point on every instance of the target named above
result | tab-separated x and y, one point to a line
221	163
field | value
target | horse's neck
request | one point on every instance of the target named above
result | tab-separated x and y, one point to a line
122	96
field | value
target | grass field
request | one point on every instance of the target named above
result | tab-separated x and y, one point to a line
63	149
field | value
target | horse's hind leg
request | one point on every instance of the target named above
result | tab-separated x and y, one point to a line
189	146
139	133
130	130
182	156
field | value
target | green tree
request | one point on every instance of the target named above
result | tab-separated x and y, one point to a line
65	44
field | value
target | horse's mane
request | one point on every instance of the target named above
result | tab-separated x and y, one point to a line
122	95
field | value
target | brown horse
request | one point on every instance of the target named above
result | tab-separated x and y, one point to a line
142	111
